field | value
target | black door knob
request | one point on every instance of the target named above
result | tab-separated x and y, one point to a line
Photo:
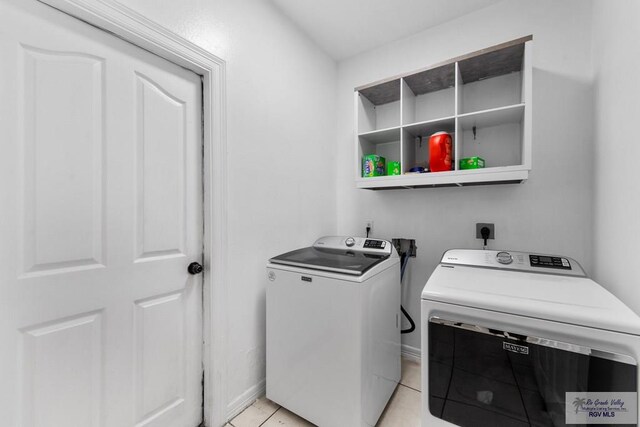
195	268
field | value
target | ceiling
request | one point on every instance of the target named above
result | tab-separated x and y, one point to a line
344	28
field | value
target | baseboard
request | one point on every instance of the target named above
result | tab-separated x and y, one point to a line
245	400
412	353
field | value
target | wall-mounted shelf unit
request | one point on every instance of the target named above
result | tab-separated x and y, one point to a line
482	99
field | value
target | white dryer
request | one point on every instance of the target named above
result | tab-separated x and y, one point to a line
521	339
333	330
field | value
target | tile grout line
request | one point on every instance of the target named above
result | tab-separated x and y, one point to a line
411	388
268	418
252	405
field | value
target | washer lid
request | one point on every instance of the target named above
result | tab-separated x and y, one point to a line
566	299
343	261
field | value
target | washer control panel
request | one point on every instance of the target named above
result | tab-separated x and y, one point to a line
356	244
374	244
514	260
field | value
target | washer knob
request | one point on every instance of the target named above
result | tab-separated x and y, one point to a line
350	241
504	258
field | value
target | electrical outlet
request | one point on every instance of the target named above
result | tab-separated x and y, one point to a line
491	227
368	223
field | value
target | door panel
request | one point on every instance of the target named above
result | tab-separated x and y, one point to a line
161	171
61	368
101	213
160	355
61	160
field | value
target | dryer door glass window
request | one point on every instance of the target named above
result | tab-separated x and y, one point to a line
480	376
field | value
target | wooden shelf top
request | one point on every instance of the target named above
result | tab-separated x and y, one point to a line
383	93
492	64
432	80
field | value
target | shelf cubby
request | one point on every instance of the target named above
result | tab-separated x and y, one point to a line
482	99
415	140
491	80
495	135
385	143
499	145
428	95
379	107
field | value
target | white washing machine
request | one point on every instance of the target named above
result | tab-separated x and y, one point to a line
520	339
333	330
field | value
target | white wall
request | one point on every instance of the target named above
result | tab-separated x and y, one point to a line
281	159
617	147
552	211
286	167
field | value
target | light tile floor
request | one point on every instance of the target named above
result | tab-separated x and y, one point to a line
403	410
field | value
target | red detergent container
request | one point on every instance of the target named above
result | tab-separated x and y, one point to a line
440	152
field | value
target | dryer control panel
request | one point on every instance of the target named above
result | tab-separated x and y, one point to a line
514	260
547	261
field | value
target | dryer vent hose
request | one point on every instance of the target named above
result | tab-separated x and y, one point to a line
404	260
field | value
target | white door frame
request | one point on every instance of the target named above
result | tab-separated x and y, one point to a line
140	31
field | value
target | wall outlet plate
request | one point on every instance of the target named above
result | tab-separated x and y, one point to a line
490	226
368	223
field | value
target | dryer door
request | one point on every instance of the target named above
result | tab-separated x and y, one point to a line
484	376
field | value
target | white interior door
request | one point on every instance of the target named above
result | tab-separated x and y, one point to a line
100	215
